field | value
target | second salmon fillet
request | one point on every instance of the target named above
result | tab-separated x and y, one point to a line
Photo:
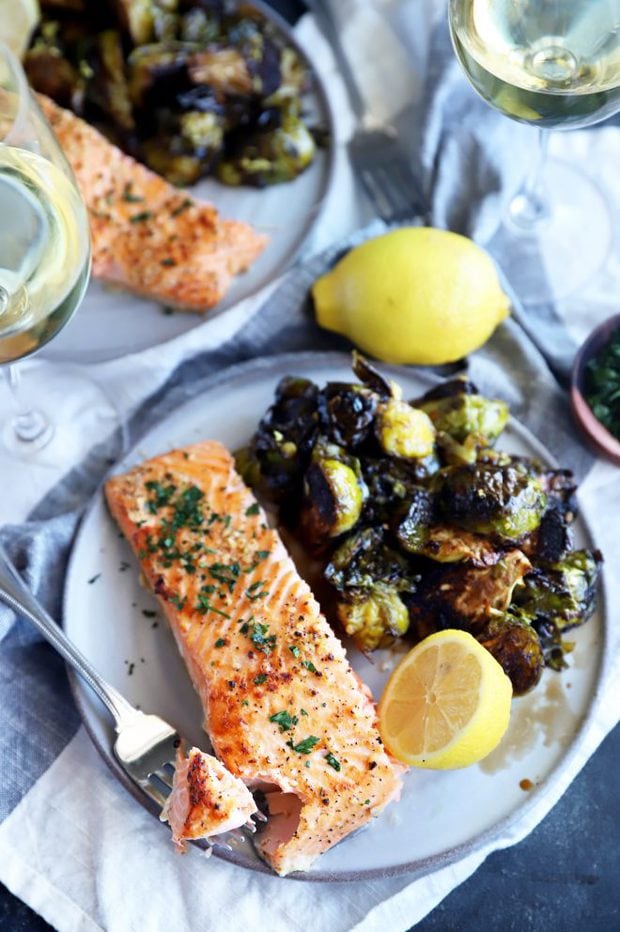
283	708
147	236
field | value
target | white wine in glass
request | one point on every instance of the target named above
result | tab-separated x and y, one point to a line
44	261
554	64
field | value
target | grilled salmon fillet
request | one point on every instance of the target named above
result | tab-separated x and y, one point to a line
283	708
147	236
205	800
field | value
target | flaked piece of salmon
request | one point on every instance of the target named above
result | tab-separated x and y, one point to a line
206	799
147	236
283	708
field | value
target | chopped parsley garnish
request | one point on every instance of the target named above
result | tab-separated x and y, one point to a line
332	761
227	574
129	197
203	604
302	712
221	642
252	592
93	579
309	666
305	746
143	215
294	650
148	613
167	262
183	206
262	554
252	509
178	602
260	679
161	495
284	720
257	633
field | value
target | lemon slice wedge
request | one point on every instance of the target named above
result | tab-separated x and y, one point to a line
446	705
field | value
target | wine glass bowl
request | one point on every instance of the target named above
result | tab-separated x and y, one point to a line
44	271
554	66
44	234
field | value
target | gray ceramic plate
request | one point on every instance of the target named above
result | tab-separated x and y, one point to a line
110	324
442	816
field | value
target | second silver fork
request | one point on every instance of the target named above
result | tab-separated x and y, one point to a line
376	152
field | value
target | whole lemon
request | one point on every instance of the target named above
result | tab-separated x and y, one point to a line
414	295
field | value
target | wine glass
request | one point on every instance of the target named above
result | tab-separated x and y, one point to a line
44	271
554	64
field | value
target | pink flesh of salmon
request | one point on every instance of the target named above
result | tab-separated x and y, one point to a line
257	646
205	800
148	236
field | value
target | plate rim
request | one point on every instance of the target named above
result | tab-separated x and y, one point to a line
245	370
92	356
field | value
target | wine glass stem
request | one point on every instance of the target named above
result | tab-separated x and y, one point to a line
30	426
529	207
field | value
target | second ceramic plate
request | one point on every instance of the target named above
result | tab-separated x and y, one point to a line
110	324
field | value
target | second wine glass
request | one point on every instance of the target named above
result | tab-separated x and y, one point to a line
44	271
553	65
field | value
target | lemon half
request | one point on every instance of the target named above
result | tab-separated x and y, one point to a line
414	295
446	705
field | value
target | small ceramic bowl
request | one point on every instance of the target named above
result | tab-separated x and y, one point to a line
598	436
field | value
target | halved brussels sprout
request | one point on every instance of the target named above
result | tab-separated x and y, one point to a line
516	646
333	499
376	619
404	431
506	502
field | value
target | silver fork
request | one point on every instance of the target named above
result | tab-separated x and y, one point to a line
145	745
376	152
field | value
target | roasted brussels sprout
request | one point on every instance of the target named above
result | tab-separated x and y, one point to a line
364	559
446	544
516	646
347	413
468	597
563	593
279	150
390	484
505	502
404	431
333	498
457	409
375	619
281	447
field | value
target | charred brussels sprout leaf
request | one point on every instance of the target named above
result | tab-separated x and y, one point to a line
333	499
371	376
412	529
505	502
516	646
562	593
376	619
403	431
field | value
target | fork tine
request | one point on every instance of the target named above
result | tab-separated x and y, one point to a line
375	193
164	775
151	790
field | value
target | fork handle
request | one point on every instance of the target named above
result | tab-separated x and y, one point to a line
324	15
15	594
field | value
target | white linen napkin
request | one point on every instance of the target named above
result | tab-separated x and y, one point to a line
77	848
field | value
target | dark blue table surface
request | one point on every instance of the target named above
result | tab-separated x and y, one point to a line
564	877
